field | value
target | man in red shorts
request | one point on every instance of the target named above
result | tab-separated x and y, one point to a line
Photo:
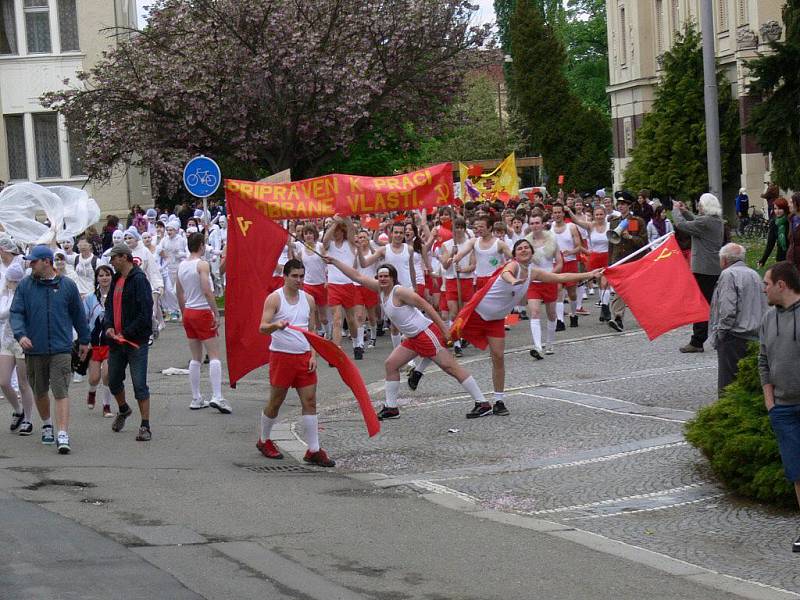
569	242
457	280
292	362
339	242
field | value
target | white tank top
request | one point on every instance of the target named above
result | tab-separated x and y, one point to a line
501	298
450	272
598	242
408	319
344	254
289	340
564	241
486	261
315	268
419	270
190	282
371	270
542	260
400	262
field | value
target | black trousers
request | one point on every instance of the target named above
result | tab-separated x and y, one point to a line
730	350
700	330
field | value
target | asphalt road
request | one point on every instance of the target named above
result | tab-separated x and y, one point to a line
586	490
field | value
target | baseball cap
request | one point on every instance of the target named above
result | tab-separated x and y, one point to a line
40	252
119	250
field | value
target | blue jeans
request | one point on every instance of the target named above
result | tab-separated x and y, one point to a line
121	356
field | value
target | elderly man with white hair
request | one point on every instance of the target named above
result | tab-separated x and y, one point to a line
737	308
707	232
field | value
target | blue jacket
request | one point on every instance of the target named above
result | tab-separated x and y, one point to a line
46	311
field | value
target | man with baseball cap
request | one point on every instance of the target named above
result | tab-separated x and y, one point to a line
634	237
45	310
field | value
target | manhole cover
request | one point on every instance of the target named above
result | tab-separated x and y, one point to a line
278	469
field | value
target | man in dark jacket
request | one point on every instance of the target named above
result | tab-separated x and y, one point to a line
45	309
128	326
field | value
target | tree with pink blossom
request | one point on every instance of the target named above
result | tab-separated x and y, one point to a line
265	85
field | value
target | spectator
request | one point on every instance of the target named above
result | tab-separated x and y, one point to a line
778	232
737	307
777	366
45	310
793	251
95	240
112	225
642	208
707	232
770	195
128	325
659	225
742	209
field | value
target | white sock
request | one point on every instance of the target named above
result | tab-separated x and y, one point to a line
14	380
423	364
310	424
498	396
560	310
266	427
396	339
572	306
215	374
473	390
360	337
392	388
93	388
605	296
328	330
536	332
581	296
194	378
551	331
106	396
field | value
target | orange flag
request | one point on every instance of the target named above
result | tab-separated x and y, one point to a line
660	290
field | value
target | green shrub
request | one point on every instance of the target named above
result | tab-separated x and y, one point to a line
735	435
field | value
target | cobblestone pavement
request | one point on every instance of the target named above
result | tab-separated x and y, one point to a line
594	440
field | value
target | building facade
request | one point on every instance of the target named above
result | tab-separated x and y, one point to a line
640	31
43	43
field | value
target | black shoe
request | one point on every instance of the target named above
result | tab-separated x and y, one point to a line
16	420
458	351
616	324
560	326
206	360
388	413
480	410
573	321
536	354
524	316
358	353
605	313
464	344
796	545
379	330
500	409
413	378
119	420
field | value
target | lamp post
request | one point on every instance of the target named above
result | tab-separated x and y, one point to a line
711	100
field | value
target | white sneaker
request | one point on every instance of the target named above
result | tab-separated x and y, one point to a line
198	403
221	405
591	292
77	378
548	349
62	443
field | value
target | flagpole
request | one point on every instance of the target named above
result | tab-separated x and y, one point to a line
301	241
652	244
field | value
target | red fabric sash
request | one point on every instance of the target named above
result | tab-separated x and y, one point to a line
466	312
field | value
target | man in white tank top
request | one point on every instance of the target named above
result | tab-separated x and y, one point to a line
292	362
315	282
458	284
569	242
201	323
489	251
339	242
423	335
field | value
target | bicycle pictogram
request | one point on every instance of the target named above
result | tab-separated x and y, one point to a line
201	177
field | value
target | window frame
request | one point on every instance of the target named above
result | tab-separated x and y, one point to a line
43	8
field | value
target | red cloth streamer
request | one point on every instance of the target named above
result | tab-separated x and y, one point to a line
465	313
254	246
660	290
349	373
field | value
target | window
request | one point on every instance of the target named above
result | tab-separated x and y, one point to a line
659	26
48	152
8	28
676	16
623	36
15	138
722	15
77	152
37	26
68	25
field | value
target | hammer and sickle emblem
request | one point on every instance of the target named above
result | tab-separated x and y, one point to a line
442	194
243	225
665	253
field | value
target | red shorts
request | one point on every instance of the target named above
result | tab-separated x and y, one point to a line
99	353
481	281
436	285
467	289
429	283
366	297
342	294
443	302
426	343
290	370
476	330
198	323
318	292
546	292
598	260
570	266
420	289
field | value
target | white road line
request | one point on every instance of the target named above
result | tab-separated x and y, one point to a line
644	510
608	410
441	489
588	461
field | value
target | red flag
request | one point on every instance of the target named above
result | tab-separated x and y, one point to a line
254	246
350	375
465	313
660	290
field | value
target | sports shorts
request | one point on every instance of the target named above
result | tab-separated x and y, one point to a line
198	323
290	370
342	294
427	343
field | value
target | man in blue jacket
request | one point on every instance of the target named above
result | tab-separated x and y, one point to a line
45	310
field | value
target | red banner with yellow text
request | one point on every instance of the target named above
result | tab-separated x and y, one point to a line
346	194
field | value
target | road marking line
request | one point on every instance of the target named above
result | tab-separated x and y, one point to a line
588	461
608	410
441	489
644	510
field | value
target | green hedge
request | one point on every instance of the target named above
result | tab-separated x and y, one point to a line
735	435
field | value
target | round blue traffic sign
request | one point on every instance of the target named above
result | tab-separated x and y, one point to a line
201	176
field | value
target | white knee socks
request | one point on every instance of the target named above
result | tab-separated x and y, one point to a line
360	337
310	424
215	374
536	332
581	296
551	331
560	310
194	378
266	427
392	388
473	390
605	296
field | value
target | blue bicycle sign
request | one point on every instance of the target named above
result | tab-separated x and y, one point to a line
201	176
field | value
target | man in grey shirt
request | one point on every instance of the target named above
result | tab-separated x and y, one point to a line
708	232
778	363
737	307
